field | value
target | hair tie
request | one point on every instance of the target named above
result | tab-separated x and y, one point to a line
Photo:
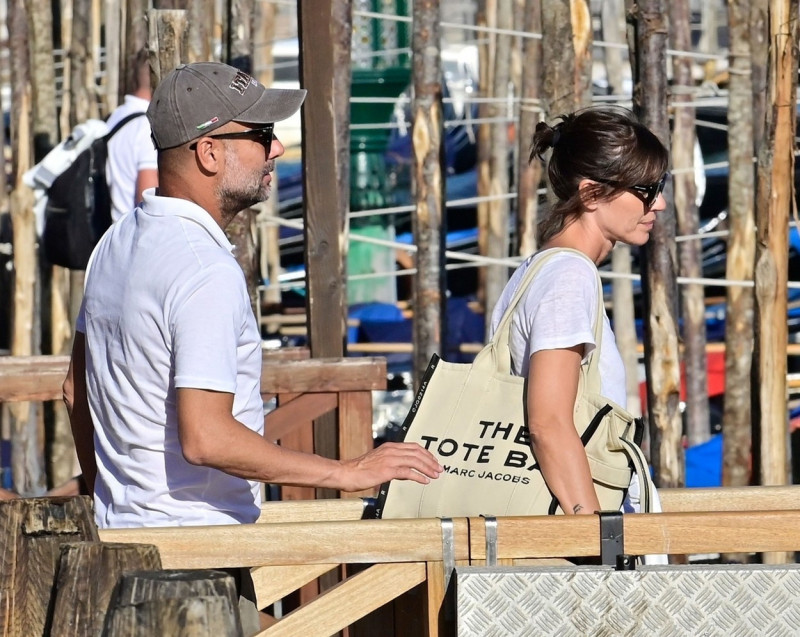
556	137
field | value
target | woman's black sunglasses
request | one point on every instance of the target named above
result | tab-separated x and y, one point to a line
648	194
262	135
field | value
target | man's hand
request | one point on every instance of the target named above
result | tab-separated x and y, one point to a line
5	494
390	461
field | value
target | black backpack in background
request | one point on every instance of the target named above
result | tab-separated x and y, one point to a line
78	208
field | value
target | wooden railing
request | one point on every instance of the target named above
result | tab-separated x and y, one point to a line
296	542
304	389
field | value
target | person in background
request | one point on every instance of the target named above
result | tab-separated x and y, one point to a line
163	388
132	166
607	172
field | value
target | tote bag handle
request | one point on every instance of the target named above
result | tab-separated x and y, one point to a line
499	345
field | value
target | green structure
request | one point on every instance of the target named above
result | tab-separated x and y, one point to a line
381	70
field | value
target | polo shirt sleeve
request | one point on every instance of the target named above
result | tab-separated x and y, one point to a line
205	327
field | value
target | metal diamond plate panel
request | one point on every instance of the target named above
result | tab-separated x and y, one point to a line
691	601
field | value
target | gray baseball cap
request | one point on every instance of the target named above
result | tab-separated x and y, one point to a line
194	99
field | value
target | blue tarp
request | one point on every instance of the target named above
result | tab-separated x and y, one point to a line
704	464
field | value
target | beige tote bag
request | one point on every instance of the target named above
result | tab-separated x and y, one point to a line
472	418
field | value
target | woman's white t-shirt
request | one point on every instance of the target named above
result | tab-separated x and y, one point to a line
558	311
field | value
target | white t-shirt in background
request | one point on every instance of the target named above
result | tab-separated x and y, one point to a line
129	151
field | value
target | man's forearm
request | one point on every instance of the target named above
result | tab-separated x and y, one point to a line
80	417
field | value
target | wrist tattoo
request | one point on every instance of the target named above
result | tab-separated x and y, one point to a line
577	507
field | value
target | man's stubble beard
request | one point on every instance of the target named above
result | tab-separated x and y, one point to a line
240	190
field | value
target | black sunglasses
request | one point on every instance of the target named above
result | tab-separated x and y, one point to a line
647	194
262	135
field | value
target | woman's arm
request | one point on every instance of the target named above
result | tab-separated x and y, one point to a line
552	389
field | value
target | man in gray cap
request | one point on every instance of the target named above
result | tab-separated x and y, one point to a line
163	387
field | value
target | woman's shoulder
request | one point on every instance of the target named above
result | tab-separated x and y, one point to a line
564	266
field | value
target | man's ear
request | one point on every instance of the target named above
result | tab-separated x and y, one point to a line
587	188
208	155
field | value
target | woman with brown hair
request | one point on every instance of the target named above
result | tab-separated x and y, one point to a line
607	172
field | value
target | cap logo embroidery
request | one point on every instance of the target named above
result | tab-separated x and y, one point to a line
240	82
205	125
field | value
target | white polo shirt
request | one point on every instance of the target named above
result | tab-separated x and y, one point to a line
130	150
166	306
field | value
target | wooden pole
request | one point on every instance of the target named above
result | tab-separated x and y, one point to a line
692	296
567	80
325	42
774	198
529	172
135	29
613	25
485	17
648	40
115	42
27	459
81	66
737	415
497	241
268	232
428	222
166	41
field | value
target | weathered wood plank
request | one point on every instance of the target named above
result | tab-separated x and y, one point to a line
31	534
311	511
645	533
350	600
774	498
32	377
41	377
355	430
363	541
87	575
275	582
296	413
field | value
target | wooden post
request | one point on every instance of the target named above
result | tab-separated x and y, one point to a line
567	81
325	67
201	22
87	575
428	222
486	16
166	41
529	173
191	617
135	27
81	65
497	243
113	25
60	460
196	603
736	419
268	232
25	422
31	534
648	39
774	198
690	252
241	231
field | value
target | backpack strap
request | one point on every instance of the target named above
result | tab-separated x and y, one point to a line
122	123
